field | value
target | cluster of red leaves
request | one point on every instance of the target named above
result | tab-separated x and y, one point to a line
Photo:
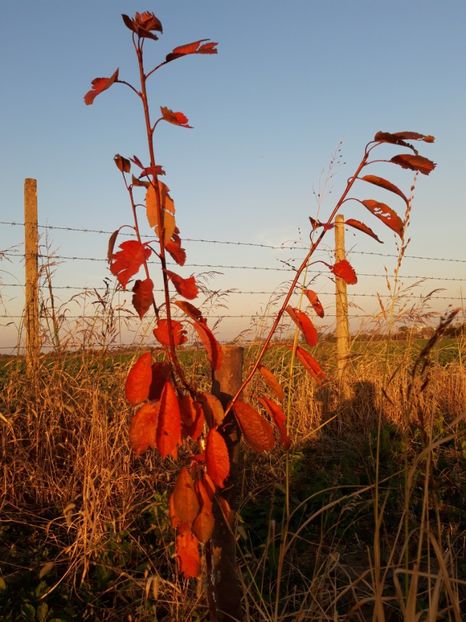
143	25
165	417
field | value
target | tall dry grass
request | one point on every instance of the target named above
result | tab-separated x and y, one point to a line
375	523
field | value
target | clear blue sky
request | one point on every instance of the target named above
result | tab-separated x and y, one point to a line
290	81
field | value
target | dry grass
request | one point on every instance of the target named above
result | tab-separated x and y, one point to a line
364	519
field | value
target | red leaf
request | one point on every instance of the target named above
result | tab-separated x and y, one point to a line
185	287
310	363
271	381
127	262
174	248
257	431
139	379
214	351
279	418
398	138
177	118
384	183
123	164
155	171
169	426
217	459
147	170
111	244
414	163
98	86
190	310
185	503
385	214
304	324
143	24
204	523
143	297
344	270
192	417
351	222
315	302
142	431
213	409
192	48
161	332
187	552
315	224
160	374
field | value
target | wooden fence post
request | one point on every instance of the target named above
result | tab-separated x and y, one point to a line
341	300
227	586
31	251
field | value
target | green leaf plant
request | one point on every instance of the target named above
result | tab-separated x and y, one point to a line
168	411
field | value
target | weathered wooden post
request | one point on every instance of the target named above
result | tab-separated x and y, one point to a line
31	251
341	300
227	586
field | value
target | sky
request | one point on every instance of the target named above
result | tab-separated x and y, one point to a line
295	86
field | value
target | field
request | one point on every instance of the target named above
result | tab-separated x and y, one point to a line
365	513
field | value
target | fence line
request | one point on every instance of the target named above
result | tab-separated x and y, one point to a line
238	267
235	243
123	314
231	291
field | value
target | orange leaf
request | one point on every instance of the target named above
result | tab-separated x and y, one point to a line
227	513
414	163
143	24
304	324
385	214
217	459
277	414
315	302
142	431
185	287
271	381
143	297
213	409
187	552
177	118
169	426
123	164
139	379
167	211
344	270
387	185
214	350
160	374
161	332
190	310
192	48
127	262
185	503
204	522
192	417
98	86
310	363
351	222
257	431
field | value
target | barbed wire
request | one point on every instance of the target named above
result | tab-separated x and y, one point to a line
239	267
231	291
236	243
